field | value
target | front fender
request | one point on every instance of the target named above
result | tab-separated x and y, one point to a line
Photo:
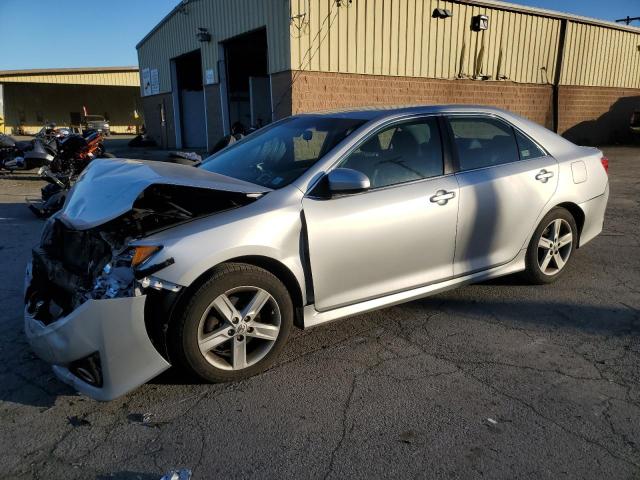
267	228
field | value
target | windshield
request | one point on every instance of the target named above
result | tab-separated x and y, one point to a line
278	155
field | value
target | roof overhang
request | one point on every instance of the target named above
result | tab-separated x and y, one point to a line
107	76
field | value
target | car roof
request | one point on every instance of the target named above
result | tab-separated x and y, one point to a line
380	112
558	146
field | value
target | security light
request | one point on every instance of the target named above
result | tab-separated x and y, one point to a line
203	35
442	13
480	22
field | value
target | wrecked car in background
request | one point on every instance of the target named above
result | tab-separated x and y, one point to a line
311	219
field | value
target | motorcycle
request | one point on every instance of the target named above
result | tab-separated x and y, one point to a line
74	153
13	153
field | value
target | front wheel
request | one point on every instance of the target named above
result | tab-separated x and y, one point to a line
551	247
234	326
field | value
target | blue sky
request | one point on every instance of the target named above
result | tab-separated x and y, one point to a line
74	33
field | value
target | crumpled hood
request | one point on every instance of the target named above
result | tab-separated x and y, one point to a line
108	187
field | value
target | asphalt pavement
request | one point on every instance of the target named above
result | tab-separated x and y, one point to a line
495	380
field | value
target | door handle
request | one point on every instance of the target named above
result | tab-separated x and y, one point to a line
543	176
442	197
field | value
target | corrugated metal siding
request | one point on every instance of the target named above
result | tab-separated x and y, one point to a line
599	56
224	19
400	37
120	79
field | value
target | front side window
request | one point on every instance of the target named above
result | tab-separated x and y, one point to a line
278	155
399	154
483	142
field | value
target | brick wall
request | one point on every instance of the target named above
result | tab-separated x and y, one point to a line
314	91
587	115
596	115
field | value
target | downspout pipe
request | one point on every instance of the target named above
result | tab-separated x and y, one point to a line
557	74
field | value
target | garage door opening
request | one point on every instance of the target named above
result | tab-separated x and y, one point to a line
248	83
190	96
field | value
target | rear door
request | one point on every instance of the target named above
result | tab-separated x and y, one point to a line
399	234
505	180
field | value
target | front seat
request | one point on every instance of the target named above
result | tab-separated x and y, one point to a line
401	163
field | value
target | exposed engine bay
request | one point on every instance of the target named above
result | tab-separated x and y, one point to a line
71	266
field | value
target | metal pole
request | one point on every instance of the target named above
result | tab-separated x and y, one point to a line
628	20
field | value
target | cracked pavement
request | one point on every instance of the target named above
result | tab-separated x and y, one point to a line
499	380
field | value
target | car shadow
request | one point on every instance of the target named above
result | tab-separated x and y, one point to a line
614	320
514	280
601	320
175	376
128	475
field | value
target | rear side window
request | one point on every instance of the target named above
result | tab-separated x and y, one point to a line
527	148
483	142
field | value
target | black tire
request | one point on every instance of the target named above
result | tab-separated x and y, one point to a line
49	190
185	330
536	255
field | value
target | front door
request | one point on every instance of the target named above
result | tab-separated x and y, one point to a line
505	181
398	235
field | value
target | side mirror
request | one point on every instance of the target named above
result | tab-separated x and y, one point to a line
346	180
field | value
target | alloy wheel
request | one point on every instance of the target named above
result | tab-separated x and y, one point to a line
239	328
555	246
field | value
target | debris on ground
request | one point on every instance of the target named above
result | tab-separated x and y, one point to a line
140	417
78	422
181	474
492	421
408	437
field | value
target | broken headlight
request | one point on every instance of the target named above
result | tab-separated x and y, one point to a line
126	275
118	277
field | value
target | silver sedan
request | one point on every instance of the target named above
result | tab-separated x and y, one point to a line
312	219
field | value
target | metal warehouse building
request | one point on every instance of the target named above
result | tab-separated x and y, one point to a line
211	63
31	98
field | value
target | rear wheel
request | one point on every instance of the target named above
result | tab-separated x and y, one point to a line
551	247
235	325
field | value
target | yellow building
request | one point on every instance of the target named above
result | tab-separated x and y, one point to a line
31	98
211	63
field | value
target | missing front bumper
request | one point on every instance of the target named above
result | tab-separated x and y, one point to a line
114	329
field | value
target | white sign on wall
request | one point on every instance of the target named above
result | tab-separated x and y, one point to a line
155	82
146	82
210	78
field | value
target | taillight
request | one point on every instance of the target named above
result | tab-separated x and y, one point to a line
605	164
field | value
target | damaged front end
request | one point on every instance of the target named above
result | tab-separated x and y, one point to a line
86	289
72	266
